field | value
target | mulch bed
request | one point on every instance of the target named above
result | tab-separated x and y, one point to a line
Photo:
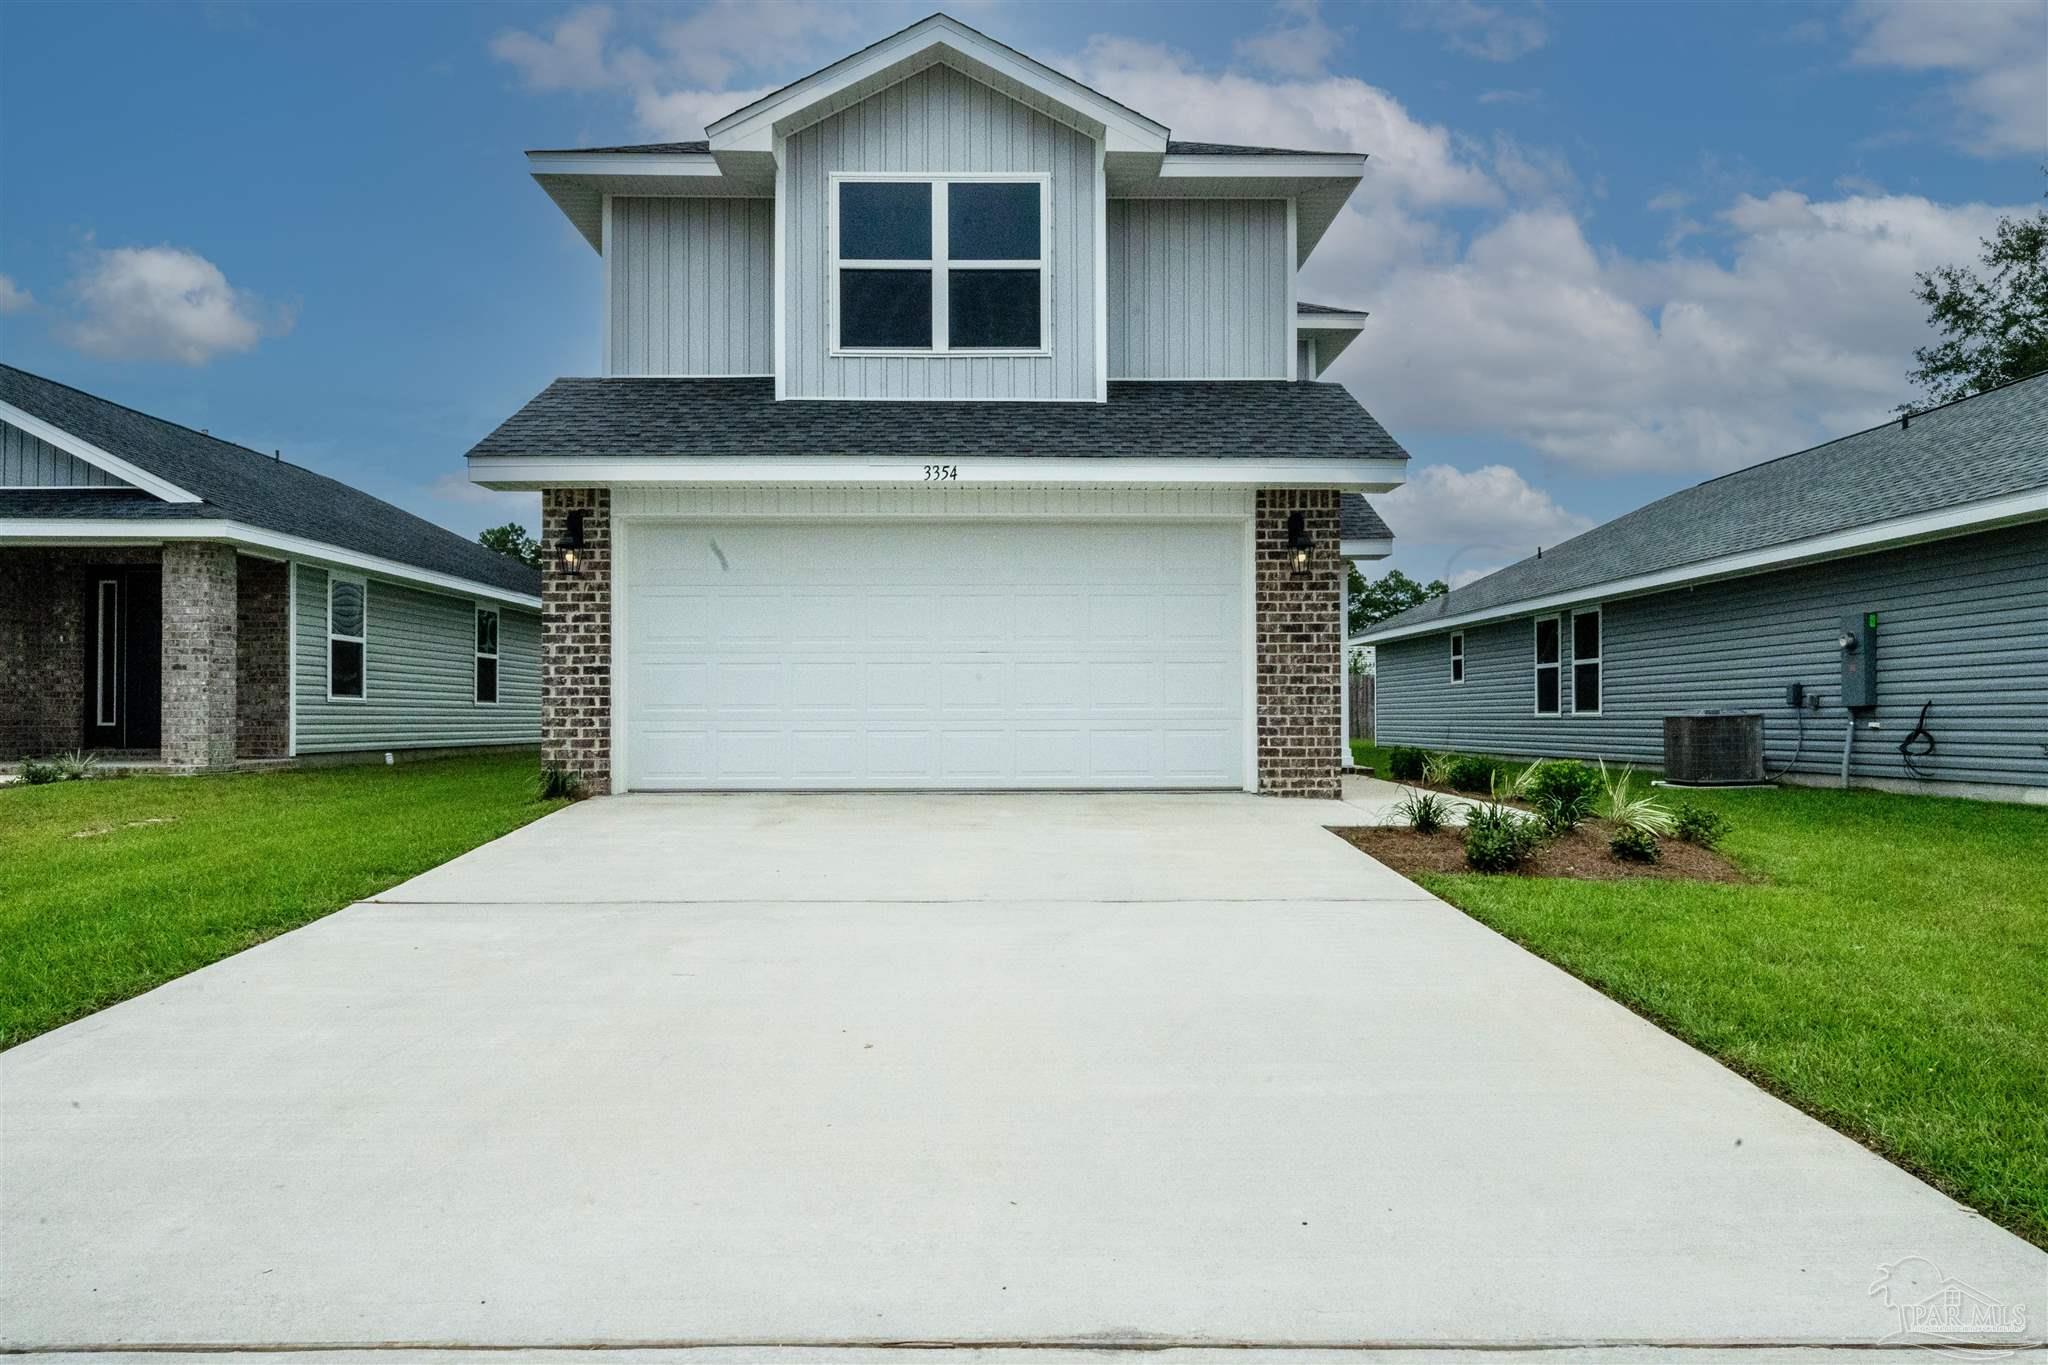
1581	855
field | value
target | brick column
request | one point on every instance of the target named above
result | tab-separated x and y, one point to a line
576	638
199	655
1301	646
262	658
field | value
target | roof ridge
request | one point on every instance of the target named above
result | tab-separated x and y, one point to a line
147	416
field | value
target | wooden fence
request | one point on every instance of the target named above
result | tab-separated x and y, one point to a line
1361	705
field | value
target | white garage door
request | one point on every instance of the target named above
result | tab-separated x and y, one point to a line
935	654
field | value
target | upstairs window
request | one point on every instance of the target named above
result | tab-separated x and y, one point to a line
486	655
939	265
347	628
1546	666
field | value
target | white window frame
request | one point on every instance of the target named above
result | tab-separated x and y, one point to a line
1460	669
941	265
495	656
363	586
1600	672
1537	666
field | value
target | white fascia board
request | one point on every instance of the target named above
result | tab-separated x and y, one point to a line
260	543
1276	166
1377	548
1329	322
1966	519
751	127
93	455
691	164
528	472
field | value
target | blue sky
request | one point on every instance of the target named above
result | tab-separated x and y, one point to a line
1608	249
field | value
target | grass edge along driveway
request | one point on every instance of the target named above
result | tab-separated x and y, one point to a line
109	888
1885	974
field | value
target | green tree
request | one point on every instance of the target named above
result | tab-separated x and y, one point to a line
1388	595
514	540
1994	325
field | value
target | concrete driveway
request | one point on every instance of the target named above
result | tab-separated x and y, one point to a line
782	1074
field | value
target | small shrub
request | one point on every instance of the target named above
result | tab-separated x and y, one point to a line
558	783
1624	807
1633	844
1470	774
36	772
1699	825
1562	793
1436	769
1405	765
76	766
1425	812
1498	839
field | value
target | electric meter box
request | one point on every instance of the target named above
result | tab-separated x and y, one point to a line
1859	660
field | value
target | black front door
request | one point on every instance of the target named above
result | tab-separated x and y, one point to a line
123	634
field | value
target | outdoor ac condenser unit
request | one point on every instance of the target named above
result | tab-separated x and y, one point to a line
1714	748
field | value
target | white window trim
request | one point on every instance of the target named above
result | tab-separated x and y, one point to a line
1537	667
1599	668
1461	666
477	655
941	264
363	586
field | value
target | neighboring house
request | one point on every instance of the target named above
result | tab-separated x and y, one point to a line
168	596
956	430
1724	595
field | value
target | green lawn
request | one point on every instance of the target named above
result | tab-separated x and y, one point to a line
1889	974
97	904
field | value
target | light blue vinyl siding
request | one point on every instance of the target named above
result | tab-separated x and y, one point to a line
693	286
940	120
30	462
1198	289
420	673
1962	622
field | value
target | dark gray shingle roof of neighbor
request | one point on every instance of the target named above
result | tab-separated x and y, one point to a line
1172	149
1977	448
1356	519
1276	419
1301	306
239	484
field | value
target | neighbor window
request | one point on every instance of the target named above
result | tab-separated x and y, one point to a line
939	264
1458	656
486	655
1546	666
347	610
1586	661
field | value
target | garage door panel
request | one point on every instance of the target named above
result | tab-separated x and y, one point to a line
943	653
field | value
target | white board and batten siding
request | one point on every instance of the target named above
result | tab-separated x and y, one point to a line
30	462
692	287
940	120
420	650
1198	289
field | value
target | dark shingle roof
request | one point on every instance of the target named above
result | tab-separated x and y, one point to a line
1172	149
239	484
1301	306
1993	444
683	417
1356	519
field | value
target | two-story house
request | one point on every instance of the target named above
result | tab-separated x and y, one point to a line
957	429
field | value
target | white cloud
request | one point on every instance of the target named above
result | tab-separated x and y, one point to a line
1494	33
1299	44
1510	96
162	303
1490	513
13	298
1997	50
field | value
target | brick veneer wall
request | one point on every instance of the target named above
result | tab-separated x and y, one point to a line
576	638
1301	646
263	688
42	644
199	655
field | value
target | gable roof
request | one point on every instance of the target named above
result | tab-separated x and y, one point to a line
702	147
237	484
1159	419
1974	463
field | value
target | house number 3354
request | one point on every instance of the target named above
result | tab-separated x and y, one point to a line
935	473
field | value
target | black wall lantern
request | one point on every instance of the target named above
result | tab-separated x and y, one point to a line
1298	540
571	542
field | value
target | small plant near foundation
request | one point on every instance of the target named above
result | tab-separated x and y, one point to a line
1563	793
1633	844
76	766
1425	812
1498	839
1405	765
1697	824
36	772
558	783
1621	805
1436	769
1469	773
